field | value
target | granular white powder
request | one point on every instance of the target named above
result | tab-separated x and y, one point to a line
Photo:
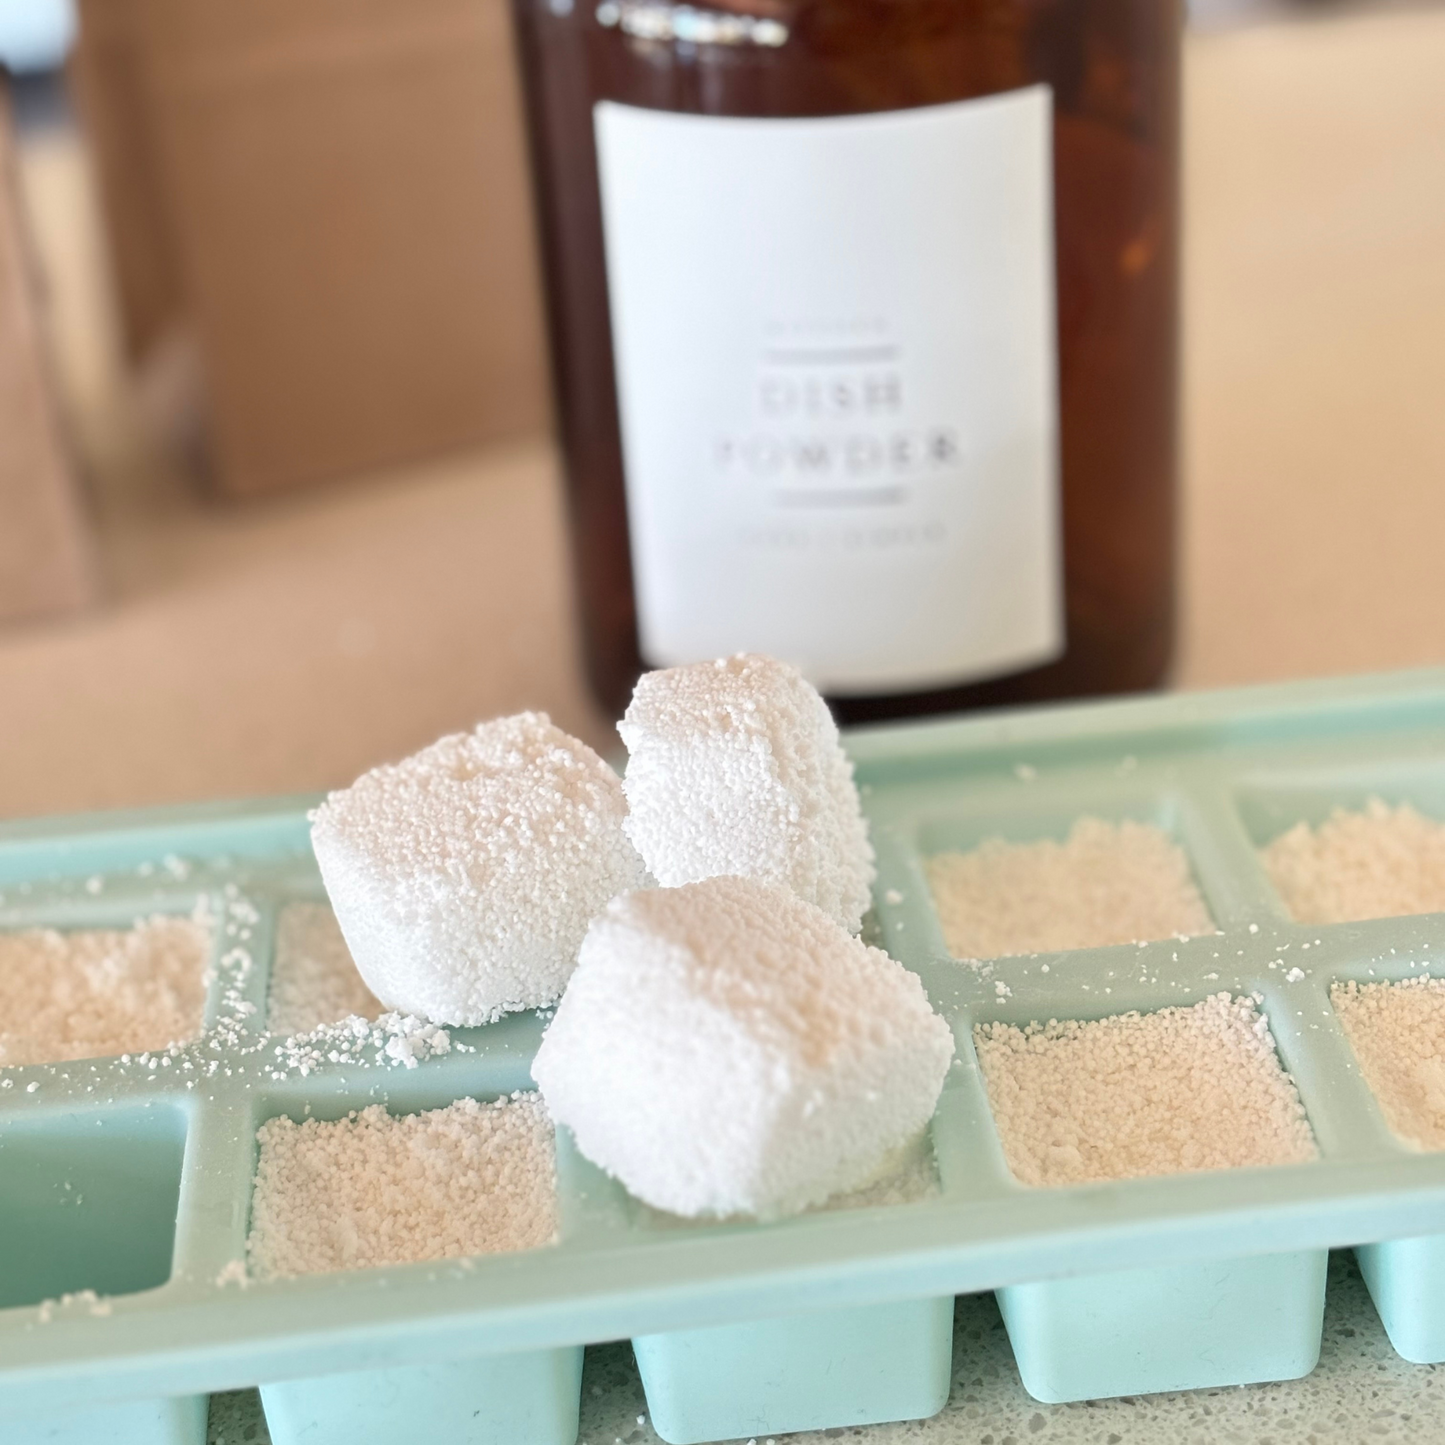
1108	883
313	979
1397	1031
377	1189
390	1039
1141	1094
98	992
1382	862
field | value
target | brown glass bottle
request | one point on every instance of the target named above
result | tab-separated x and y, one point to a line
1112	69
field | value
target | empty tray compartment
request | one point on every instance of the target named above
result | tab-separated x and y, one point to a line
1180	1327
1406	1280
89	1206
181	1421
522	1399
820	1371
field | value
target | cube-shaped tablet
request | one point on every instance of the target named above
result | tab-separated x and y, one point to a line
464	877
734	767
727	1048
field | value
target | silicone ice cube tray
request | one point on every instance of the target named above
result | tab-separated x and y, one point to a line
827	1319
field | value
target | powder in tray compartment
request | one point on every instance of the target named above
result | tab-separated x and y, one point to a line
98	992
1397	1031
1108	883
314	981
1382	862
376	1188
1140	1094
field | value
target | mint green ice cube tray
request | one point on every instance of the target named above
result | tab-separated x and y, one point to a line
134	1181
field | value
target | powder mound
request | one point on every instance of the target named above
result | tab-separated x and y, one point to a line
1140	1094
95	993
376	1189
1107	883
1382	862
1397	1031
727	1048
734	767
314	981
464	877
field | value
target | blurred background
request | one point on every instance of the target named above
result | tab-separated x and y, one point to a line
277	493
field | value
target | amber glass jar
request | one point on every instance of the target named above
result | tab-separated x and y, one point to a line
863	324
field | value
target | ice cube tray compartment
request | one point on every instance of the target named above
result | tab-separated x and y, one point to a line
1210	769
1272	803
1405	1276
90	1201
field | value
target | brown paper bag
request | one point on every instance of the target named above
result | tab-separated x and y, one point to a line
46	559
347	186
109	80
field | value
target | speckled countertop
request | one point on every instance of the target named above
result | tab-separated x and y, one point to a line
1362	1391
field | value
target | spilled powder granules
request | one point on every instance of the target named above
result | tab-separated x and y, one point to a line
323	1012
1139	1094
375	1189
1108	883
313	979
390	1039
94	993
1397	1031
1383	862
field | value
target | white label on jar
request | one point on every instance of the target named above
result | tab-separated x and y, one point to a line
835	350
